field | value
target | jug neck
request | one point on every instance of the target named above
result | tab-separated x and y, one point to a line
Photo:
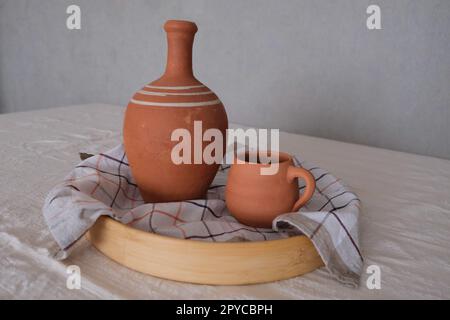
180	41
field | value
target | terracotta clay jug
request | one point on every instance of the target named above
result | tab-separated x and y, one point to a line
174	101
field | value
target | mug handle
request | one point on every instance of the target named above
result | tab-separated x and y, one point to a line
295	172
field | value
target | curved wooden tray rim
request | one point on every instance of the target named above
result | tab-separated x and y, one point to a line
226	263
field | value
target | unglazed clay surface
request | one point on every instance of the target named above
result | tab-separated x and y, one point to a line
257	199
172	102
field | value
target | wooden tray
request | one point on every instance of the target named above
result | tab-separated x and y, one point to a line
226	263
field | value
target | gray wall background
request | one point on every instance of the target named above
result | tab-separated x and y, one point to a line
308	67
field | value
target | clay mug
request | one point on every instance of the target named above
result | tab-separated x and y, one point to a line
256	199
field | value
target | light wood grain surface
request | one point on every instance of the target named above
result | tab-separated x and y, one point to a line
232	263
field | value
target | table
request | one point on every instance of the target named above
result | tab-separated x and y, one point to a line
404	226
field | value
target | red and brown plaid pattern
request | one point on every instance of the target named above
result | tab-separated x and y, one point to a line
103	185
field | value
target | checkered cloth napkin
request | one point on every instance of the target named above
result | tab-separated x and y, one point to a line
103	185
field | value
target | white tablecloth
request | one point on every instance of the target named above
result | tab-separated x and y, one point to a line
404	226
